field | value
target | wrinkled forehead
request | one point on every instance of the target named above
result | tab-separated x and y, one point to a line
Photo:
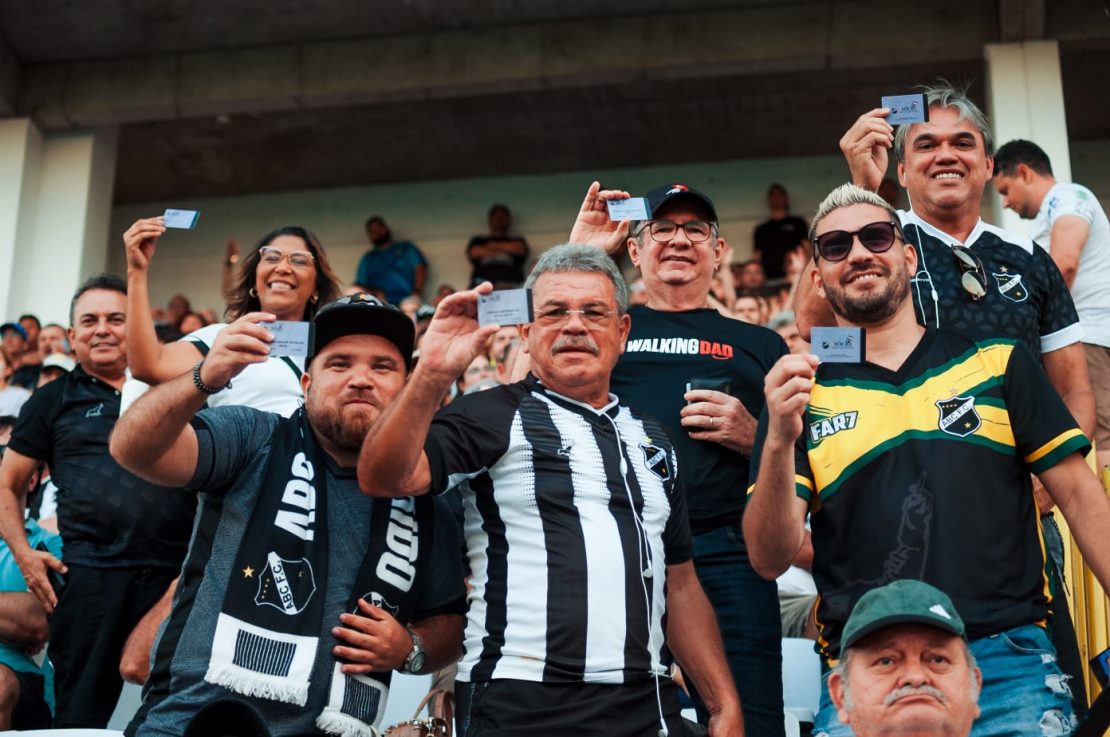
358	347
100	302
565	287
944	122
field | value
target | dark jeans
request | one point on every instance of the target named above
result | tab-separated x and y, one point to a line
96	612
747	608
510	708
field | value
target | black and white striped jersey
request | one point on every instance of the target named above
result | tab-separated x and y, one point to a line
572	515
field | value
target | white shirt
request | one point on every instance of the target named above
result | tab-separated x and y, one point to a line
1091	288
271	386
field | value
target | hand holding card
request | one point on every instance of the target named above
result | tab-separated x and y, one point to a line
906	109
633	208
291	338
838	345
505	307
184	219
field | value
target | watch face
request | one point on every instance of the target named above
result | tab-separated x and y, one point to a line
416	663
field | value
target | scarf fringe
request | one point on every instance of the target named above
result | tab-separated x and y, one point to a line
336	722
260	685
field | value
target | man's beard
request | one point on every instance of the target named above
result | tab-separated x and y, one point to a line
346	434
870	308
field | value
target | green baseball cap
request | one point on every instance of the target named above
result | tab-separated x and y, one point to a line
901	602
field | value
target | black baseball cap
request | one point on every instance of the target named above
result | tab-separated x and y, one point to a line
364	314
666	193
901	602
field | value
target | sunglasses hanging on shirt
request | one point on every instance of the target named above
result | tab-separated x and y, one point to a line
973	278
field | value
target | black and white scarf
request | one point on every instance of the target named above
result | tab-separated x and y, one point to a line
267	633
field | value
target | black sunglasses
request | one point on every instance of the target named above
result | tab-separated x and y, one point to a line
837	244
973	278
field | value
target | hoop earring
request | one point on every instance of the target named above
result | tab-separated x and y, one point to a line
253	292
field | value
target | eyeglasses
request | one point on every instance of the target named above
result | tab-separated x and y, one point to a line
297	259
559	315
663	231
973	278
837	244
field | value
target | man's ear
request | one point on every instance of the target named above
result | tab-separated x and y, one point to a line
818	282
901	174
836	693
306	381
634	251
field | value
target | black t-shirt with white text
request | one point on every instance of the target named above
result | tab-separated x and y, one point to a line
666	350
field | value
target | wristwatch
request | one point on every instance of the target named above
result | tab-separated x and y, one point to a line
414	663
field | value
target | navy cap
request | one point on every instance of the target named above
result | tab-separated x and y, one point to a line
667	193
13	326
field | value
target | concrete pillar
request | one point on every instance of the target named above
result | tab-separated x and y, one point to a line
55	207
20	161
1025	97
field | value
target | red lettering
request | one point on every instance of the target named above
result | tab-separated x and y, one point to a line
704	347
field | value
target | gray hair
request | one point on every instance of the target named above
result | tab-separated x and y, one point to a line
842	669
575	257
781	319
847	195
944	95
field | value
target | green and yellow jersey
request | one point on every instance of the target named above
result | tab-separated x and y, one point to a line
923	473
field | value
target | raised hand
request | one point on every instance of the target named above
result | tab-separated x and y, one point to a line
787	387
454	338
139	241
593	226
240	344
865	148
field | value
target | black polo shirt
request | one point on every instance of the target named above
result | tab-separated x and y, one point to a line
107	516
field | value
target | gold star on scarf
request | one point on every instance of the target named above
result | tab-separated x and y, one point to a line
248	572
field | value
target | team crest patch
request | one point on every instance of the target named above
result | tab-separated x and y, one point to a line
958	416
381	602
655	459
1011	286
287	585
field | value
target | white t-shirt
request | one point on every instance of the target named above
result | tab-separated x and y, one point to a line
271	386
1091	288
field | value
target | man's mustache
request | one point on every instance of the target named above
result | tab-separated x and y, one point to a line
904	691
576	342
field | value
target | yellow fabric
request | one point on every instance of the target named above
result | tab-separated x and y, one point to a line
1089	607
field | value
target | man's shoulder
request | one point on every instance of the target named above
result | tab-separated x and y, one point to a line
489	402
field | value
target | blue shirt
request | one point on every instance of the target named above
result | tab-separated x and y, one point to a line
11	579
392	268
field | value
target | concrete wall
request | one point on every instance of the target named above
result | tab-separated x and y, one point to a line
441	216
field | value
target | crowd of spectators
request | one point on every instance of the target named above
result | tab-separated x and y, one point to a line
80	528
